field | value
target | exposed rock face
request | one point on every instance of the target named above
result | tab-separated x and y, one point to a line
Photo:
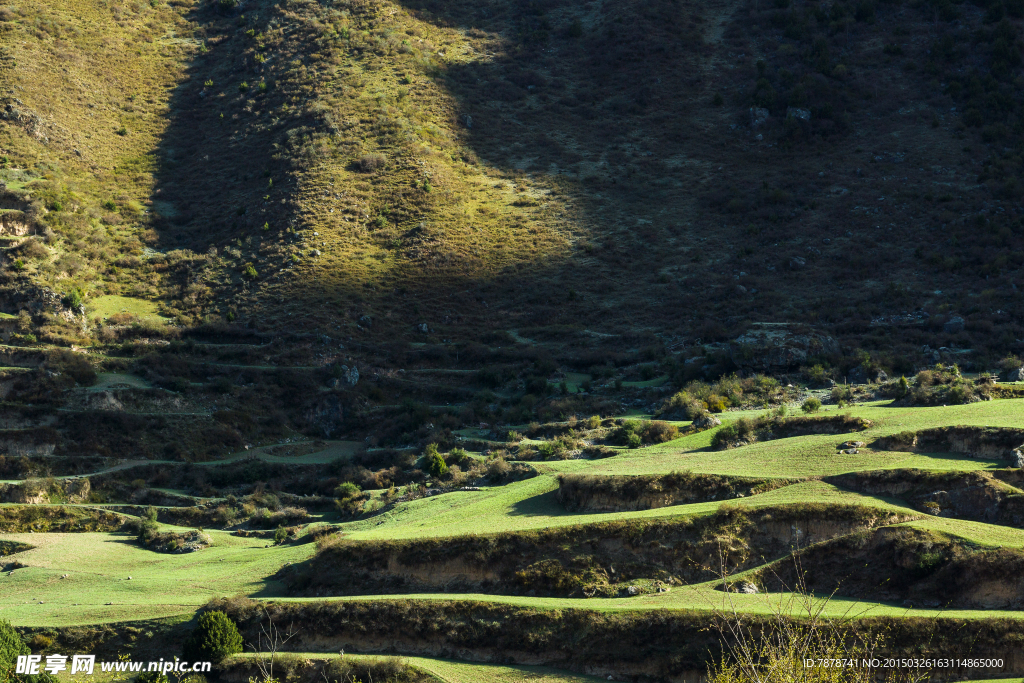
977	442
14	223
35	492
327	414
977	496
769	347
30	298
105	400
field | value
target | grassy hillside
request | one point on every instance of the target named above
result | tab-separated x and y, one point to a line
451	163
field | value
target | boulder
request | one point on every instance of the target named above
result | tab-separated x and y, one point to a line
797	113
706	421
954	325
797	262
1015	375
1016	458
758	117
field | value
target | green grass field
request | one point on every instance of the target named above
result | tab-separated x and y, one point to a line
108	305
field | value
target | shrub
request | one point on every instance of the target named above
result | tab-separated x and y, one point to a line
433	463
811	405
634	433
11	646
151	677
32	249
497	469
214	638
280	535
73	299
369	163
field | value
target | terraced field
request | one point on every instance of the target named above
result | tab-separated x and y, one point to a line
517	549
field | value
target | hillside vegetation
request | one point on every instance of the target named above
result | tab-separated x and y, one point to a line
526	339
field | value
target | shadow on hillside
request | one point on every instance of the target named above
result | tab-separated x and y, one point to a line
543	505
598	112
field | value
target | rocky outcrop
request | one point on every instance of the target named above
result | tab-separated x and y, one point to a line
42	492
778	347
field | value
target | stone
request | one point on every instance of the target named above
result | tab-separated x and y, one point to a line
797	113
350	375
777	347
863	374
954	325
706	421
797	262
106	401
758	117
633	590
366	321
1015	375
852	444
1016	458
467	120
748	588
422	327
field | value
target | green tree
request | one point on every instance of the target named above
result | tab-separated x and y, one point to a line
214	638
433	462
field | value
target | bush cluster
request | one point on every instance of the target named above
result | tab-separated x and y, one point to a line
697	397
636	433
